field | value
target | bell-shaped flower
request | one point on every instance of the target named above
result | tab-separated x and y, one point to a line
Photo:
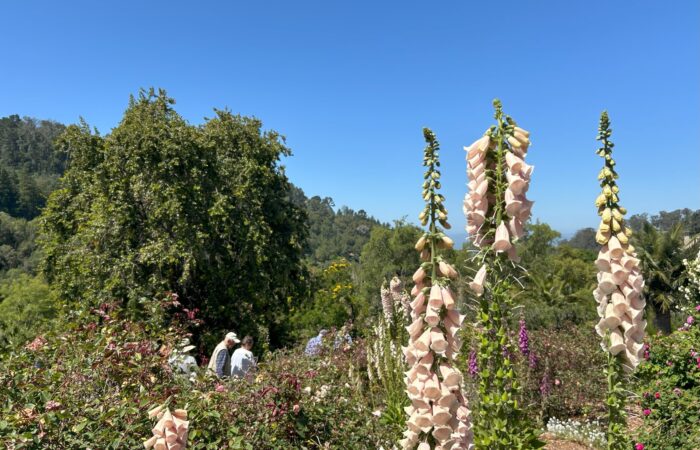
502	241
419	275
435	300
451	377
617	342
477	285
432	316
447	298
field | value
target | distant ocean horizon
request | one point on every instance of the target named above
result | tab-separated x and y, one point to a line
460	237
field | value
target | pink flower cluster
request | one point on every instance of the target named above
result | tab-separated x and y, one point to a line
483	170
620	301
394	298
170	433
434	384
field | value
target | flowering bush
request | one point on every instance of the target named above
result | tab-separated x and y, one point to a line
669	389
589	433
691	290
91	387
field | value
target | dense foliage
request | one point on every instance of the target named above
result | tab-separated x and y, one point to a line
92	385
669	388
159	204
29	164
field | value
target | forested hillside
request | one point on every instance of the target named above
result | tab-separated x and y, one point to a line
29	164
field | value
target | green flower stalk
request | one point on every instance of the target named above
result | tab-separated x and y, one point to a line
619	293
497	209
438	414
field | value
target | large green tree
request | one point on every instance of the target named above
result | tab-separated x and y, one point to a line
159	204
389	252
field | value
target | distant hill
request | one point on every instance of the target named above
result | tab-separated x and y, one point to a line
334	234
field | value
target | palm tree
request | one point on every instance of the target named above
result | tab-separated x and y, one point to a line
661	254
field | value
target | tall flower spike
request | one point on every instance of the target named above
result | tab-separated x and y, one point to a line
619	292
497	208
620	281
438	415
170	432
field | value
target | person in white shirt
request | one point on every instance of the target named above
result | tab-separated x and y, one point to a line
243	361
181	361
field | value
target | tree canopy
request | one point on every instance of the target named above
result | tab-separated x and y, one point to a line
159	204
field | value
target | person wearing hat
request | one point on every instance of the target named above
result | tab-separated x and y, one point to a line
181	360
220	362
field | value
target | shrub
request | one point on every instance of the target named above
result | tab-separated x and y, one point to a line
92	385
669	388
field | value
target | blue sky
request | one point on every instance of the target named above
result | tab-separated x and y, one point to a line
351	84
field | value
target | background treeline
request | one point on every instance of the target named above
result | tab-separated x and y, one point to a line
29	164
207	212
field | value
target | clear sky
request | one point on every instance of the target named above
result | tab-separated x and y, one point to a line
351	84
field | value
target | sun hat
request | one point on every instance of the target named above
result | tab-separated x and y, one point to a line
231	336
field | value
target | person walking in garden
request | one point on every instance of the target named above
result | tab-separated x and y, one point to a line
313	347
220	362
243	361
